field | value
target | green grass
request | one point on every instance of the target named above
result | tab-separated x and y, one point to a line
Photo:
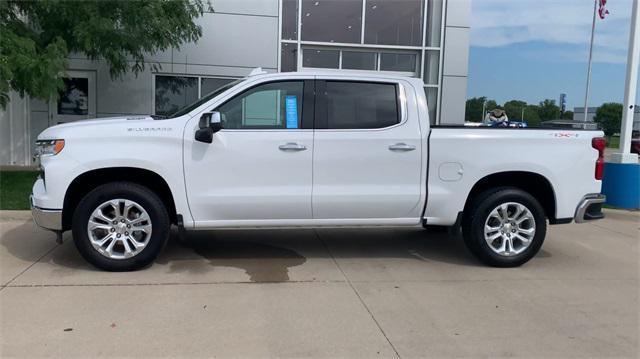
15	188
613	141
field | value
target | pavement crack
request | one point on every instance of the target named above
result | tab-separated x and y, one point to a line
170	284
613	230
356	293
7	284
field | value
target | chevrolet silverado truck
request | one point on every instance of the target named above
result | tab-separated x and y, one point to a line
310	149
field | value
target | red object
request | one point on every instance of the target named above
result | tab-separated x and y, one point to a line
599	143
602	9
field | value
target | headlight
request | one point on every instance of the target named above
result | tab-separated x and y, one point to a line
48	147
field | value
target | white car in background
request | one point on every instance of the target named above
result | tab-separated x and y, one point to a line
310	149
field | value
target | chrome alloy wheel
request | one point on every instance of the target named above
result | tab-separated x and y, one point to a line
119	228
509	229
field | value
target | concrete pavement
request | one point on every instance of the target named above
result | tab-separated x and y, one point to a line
324	293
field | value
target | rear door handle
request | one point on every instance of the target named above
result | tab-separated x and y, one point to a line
292	146
402	147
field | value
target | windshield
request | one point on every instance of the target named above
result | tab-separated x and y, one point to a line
185	110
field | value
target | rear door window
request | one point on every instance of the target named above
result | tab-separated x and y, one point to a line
357	105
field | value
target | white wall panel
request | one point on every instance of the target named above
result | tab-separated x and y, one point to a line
223	71
39	122
14	132
131	94
248	7
233	40
456	54
454	95
459	13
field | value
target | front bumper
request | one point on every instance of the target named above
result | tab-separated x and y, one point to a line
590	208
46	218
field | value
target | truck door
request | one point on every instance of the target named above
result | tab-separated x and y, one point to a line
258	167
367	152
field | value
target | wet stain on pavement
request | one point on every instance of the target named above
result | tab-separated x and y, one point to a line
262	262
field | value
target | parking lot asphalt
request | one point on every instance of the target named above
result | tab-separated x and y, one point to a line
324	293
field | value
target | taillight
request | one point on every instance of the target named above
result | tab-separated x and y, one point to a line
599	143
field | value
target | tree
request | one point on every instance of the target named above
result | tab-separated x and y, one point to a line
567	115
531	116
37	36
473	109
548	110
491	105
609	117
514	109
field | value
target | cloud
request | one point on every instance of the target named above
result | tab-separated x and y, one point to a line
497	23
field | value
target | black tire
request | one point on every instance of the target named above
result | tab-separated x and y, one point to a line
479	210
129	191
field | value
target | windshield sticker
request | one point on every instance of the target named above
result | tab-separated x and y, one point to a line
291	105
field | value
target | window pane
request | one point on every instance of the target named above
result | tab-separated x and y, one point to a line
431	66
332	20
288	57
358	60
320	58
211	84
361	105
289	19
432	103
74	99
271	106
398	62
434	22
174	92
396	22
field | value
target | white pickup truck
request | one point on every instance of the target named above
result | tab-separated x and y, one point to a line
310	149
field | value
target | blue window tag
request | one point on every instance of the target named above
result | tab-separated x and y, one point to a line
291	106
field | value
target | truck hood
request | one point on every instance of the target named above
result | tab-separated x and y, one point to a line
97	125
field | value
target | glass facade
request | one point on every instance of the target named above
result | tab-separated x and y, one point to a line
208	84
431	67
288	57
398	62
290	19
434	23
397	22
326	59
400	36
331	20
74	99
175	92
359	60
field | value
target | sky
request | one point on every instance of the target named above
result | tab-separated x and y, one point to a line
535	49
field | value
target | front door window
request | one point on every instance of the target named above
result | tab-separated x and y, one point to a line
276	105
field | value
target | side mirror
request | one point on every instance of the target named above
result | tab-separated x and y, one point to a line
208	125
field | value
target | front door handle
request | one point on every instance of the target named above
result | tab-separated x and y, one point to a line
402	147
292	146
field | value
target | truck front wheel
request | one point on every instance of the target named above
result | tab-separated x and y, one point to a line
120	226
504	227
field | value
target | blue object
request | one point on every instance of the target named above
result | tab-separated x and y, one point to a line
291	106
621	185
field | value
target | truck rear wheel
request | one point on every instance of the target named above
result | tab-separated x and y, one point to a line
504	227
120	226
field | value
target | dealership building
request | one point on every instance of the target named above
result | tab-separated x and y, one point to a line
427	39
